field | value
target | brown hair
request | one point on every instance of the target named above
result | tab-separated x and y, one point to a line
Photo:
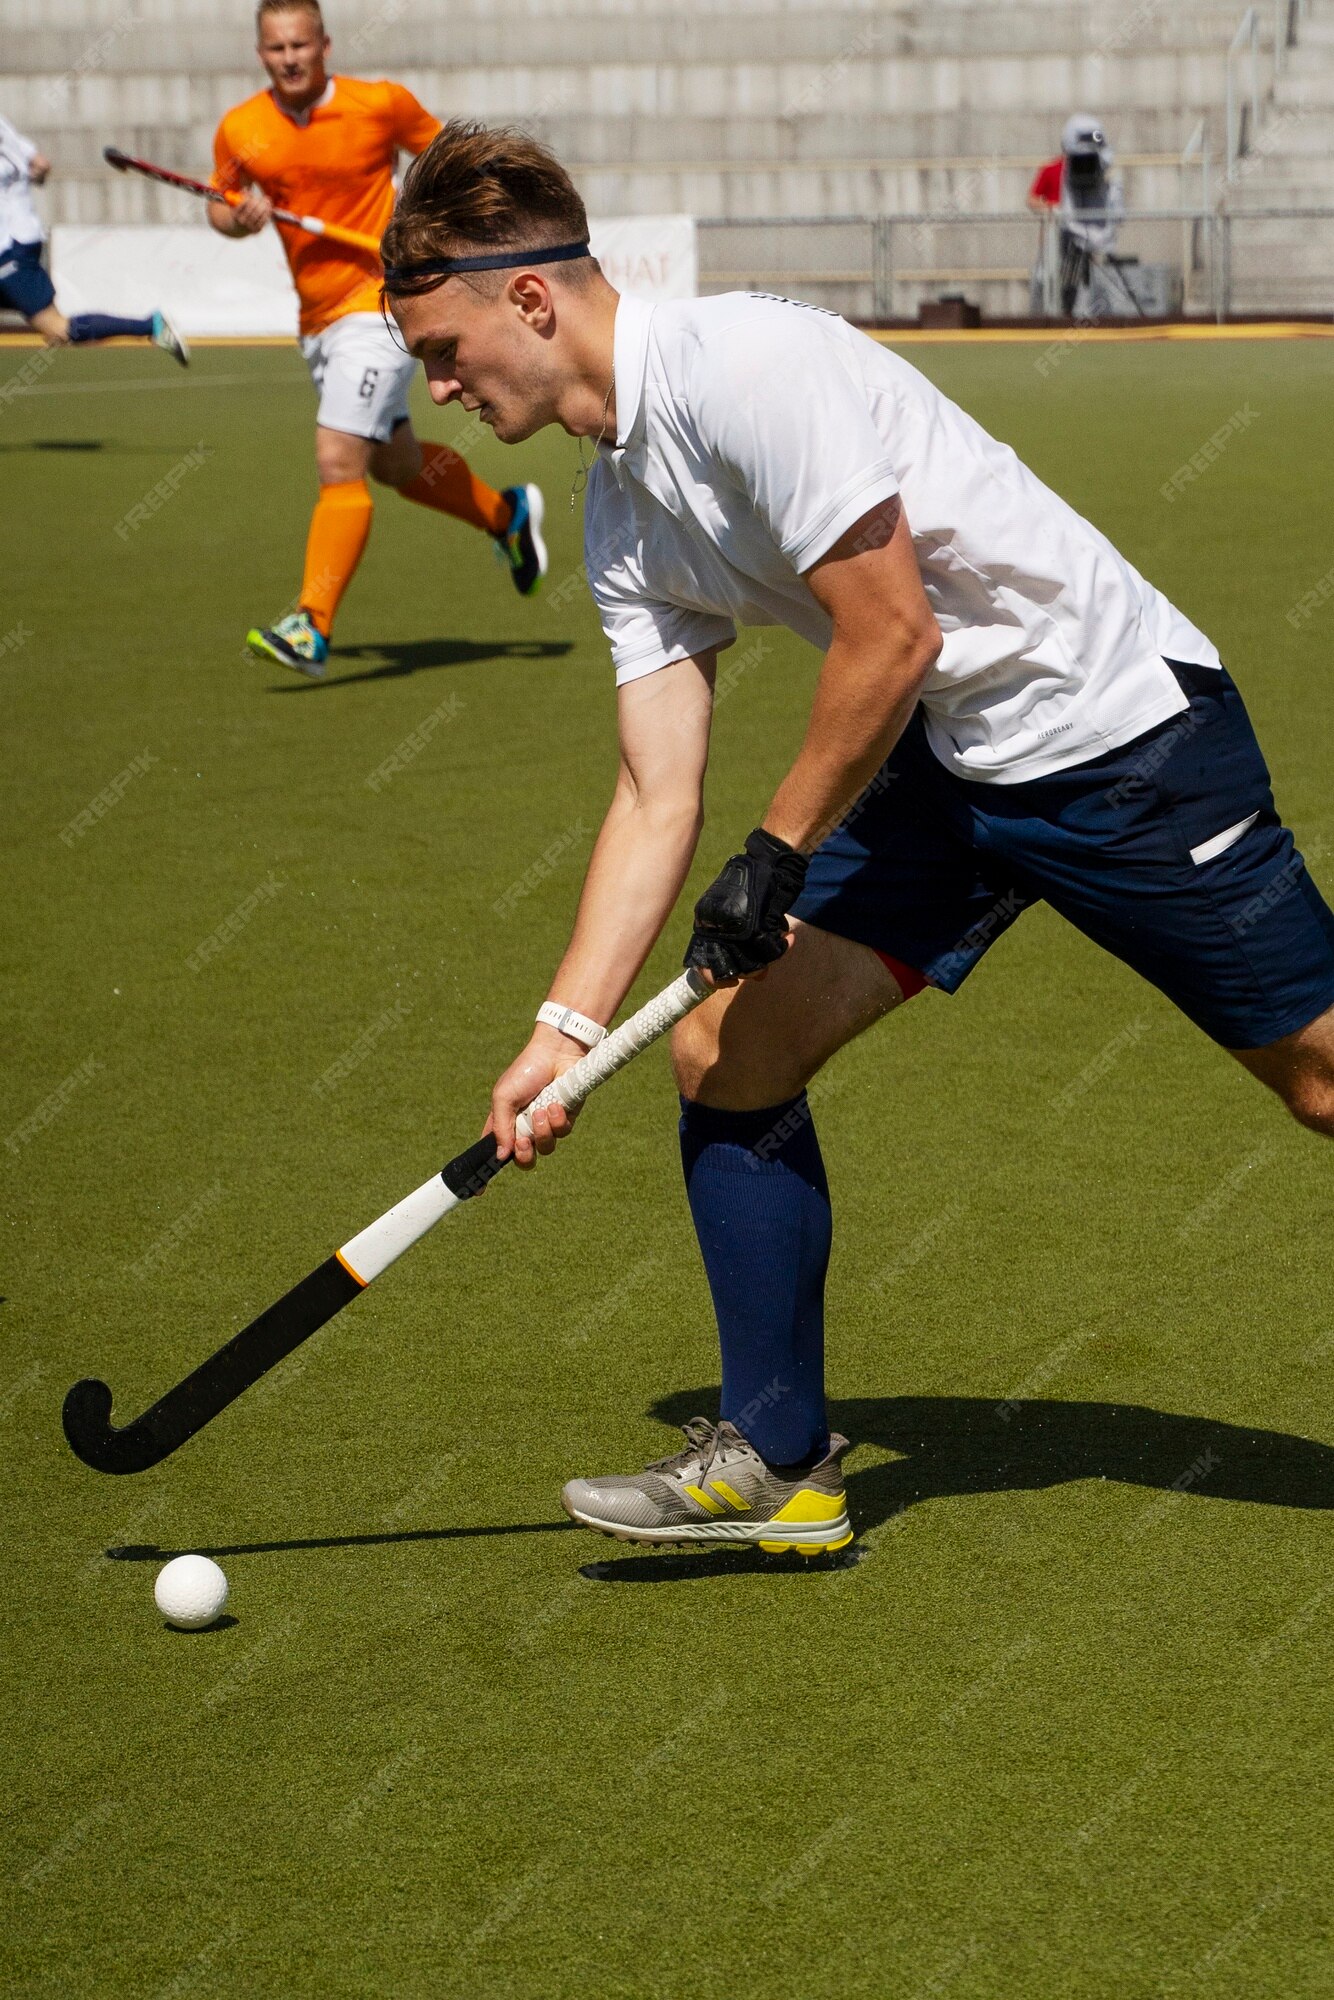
477	189
267	7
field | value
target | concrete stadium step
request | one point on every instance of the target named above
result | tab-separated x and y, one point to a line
1259	190
1310	88
940	21
1305	252
968	143
840	36
1047	85
1302	135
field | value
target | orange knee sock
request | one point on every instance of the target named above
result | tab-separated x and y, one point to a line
338	530
445	482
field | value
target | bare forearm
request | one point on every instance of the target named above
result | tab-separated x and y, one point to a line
639	864
861	708
638	867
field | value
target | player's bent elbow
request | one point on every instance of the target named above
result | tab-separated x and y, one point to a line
671	816
924	648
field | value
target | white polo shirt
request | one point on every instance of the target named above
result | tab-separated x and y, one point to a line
19	222
754	432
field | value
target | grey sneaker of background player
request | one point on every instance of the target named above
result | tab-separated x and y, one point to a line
719	1489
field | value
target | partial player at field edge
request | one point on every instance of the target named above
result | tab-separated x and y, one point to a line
25	284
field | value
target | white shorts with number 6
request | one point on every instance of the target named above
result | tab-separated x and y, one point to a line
362	375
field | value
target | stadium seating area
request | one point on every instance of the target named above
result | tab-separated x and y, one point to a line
749	113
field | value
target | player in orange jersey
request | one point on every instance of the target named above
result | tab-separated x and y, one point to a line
326	146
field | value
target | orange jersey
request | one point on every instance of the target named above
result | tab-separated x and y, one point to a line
339	166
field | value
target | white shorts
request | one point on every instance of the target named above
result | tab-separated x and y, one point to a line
362	375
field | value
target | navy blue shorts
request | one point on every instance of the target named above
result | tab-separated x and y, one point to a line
24	285
1139	848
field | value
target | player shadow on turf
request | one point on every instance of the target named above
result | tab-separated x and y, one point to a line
150	1552
54	444
955	1445
88	444
415	656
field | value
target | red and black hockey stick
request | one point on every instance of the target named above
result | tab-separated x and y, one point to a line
312	225
250	1354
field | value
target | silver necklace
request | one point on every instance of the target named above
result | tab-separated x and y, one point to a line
581	476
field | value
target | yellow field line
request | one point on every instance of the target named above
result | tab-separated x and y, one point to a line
905	336
1056	336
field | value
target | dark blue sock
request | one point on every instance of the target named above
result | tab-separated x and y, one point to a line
760	1203
104	326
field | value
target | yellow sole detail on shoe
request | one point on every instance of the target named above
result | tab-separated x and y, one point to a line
811	1506
806	1548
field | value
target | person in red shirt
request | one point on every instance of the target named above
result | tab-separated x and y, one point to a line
1045	192
326	146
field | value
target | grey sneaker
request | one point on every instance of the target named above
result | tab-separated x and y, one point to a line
719	1489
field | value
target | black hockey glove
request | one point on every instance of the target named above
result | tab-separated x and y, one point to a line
741	920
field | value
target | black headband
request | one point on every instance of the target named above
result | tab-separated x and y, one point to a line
496	260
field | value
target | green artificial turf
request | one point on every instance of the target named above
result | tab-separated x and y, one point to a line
1060	1732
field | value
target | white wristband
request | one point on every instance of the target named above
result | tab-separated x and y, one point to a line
566	1022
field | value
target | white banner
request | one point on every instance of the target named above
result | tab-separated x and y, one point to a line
207	285
653	256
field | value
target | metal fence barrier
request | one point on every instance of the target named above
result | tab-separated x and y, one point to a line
1202	261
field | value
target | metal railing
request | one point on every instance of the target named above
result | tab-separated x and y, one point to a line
1243	95
1288	16
1205	261
1241	110
1192	248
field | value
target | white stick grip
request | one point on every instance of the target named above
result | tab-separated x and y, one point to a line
649	1025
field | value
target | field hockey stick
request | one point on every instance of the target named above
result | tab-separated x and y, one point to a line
125	163
341	1278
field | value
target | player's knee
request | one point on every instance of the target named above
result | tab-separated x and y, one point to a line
712	1065
398	461
740	1064
334	471
340	457
1310	1099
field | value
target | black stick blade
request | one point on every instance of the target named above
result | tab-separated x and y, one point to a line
216	1382
115	158
87	1419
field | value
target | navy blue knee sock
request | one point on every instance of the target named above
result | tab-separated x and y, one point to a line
760	1203
104	326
